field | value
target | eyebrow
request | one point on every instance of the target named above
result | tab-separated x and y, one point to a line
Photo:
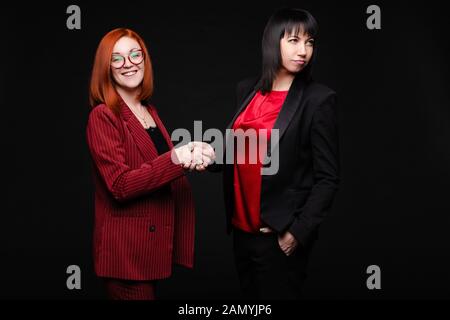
136	49
296	36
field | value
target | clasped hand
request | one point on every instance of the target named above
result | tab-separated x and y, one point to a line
195	155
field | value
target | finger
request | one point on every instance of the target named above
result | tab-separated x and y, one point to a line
192	166
186	165
285	250
284	247
206	161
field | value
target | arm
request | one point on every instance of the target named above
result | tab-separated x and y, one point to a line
106	147
325	153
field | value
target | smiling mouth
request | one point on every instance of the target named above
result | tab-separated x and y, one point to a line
129	73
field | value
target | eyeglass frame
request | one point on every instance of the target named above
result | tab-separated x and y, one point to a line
128	56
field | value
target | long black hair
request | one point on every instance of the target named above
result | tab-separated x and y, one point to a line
284	21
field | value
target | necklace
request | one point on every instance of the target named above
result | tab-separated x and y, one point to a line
140	117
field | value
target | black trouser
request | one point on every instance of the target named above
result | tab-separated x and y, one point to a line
265	272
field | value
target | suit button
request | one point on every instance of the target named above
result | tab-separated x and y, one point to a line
152	228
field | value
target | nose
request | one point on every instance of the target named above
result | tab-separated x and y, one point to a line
127	64
301	50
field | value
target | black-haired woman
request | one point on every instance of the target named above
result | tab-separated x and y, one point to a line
275	216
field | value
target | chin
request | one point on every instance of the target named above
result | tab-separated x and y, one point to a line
130	86
295	71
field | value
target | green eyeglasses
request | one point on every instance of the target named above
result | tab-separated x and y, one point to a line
135	57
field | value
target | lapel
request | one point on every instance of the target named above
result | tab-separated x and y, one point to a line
288	109
242	106
290	106
140	136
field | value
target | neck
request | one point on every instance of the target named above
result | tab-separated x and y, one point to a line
283	80
129	96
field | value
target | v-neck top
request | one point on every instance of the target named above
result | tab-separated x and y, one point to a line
260	114
158	139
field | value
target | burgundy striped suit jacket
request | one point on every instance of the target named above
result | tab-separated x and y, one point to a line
141	229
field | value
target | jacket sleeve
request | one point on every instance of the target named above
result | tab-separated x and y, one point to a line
325	154
108	153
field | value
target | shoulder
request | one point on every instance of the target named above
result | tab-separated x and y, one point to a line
322	101
320	98
101	110
319	92
102	113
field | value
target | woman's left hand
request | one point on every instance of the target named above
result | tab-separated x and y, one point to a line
287	243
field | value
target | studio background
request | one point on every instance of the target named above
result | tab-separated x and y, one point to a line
392	208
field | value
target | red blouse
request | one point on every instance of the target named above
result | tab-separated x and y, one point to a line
261	113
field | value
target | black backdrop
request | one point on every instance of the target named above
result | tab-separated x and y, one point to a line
392	209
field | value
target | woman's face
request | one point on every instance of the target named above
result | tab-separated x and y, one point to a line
296	51
127	63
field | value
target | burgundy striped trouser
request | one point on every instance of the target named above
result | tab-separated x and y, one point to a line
118	289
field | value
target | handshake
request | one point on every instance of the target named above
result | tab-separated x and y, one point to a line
194	155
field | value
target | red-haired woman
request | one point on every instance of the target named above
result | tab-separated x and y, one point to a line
144	211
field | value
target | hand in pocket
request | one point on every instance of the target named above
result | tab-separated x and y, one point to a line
287	243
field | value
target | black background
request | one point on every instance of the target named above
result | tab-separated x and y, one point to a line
392	209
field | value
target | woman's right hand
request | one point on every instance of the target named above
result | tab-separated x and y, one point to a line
194	155
203	154
183	156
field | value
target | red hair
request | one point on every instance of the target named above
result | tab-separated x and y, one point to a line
102	86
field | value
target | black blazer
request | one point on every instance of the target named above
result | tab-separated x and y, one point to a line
298	197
